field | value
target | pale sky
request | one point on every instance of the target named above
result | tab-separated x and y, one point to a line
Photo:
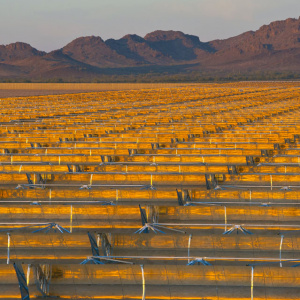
51	24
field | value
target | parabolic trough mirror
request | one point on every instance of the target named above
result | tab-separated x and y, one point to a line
172	193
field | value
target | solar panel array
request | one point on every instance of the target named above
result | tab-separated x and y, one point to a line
173	193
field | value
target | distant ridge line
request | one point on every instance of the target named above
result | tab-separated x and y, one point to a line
274	47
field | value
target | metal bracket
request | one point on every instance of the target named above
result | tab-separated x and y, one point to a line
29	179
22	281
187	197
144	220
199	261
52	226
237	228
249	160
211	181
106	159
76	168
187	200
31	185
132	152
153	226
106	248
40	179
95	251
43	277
179	198
106	245
149	186
94	246
232	170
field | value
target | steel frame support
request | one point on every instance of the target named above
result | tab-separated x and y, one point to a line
22	281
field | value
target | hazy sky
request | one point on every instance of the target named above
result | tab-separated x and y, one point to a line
51	24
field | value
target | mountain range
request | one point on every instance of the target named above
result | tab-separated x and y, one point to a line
273	47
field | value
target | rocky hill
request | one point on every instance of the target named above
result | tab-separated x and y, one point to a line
274	47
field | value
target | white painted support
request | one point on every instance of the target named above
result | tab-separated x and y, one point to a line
8	248
71	218
144	285
252	283
98	239
280	249
28	274
189	246
271	181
